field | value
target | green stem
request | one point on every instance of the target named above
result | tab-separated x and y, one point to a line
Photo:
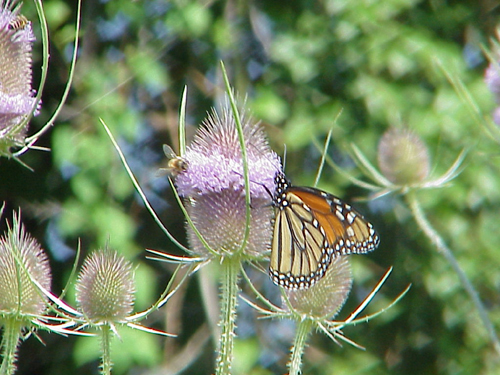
106	335
10	343
303	329
229	291
447	253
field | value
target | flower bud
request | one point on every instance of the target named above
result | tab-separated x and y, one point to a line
22	260
105	287
402	157
328	295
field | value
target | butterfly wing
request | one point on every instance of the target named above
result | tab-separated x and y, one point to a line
311	227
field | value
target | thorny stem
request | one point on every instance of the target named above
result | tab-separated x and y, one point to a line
229	291
303	330
10	342
106	349
445	250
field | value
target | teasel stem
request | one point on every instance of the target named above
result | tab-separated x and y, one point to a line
441	246
106	336
229	295
304	328
10	343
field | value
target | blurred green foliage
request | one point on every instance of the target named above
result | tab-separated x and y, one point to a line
376	63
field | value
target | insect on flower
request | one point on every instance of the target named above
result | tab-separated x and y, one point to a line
312	227
175	164
18	23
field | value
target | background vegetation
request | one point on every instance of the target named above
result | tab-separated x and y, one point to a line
301	63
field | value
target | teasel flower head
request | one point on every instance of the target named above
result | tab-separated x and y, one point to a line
312	309
328	295
496	116
402	157
24	282
105	287
214	188
492	76
22	261
17	98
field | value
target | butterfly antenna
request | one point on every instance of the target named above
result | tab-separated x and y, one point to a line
284	157
323	157
258	183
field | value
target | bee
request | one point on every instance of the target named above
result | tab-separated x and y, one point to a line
175	164
18	23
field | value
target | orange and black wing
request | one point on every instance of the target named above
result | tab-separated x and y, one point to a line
311	227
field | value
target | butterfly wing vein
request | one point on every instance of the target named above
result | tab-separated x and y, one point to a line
310	231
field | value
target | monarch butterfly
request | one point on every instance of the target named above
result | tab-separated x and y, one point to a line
311	227
175	164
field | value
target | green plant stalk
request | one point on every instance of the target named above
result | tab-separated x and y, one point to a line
244	158
229	295
106	335
182	123
441	246
10	342
304	328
